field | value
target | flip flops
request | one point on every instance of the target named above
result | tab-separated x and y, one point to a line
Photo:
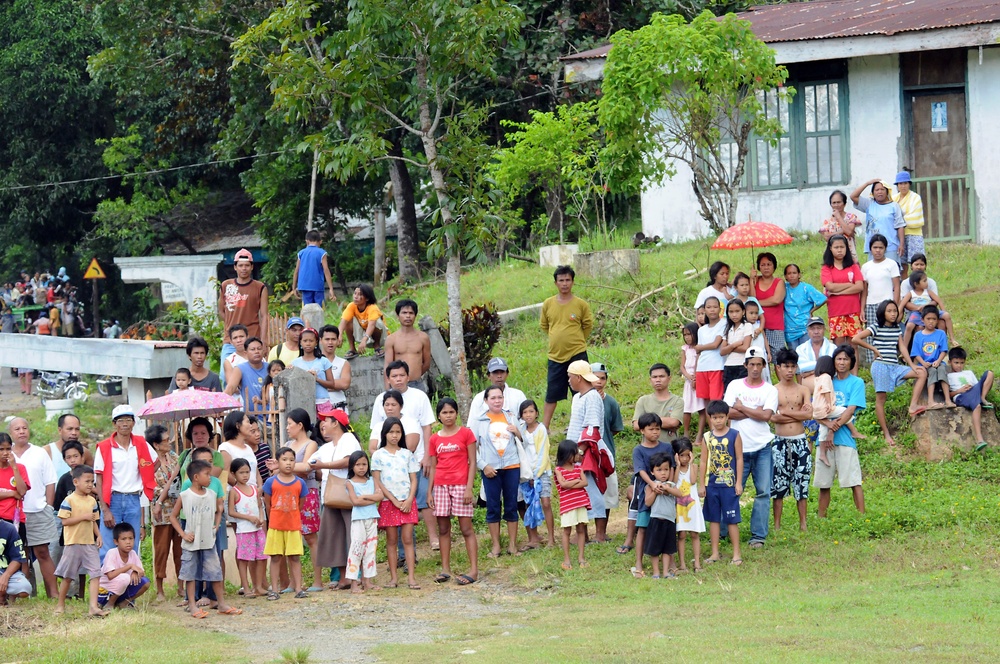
231	611
301	595
200	614
442	578
271	595
465	580
623	549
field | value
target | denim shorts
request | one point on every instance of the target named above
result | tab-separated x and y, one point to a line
544	484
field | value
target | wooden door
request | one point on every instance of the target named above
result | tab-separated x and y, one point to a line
940	158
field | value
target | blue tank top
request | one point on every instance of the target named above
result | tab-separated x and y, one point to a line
311	276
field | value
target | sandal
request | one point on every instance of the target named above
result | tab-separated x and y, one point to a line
314	589
391	585
200	614
442	578
232	611
351	354
624	548
736	562
567	566
250	596
301	595
637	573
465	580
413	586
273	595
380	352
493	555
981	445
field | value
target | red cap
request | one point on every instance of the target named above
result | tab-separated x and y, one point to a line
326	411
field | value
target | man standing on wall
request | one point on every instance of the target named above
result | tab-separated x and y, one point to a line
242	300
568	321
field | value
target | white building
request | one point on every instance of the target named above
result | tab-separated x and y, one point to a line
882	86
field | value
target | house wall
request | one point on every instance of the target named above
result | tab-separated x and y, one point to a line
984	141
670	209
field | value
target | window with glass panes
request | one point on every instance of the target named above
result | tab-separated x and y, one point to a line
813	147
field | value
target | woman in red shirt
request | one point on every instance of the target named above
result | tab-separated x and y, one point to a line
770	292
843	282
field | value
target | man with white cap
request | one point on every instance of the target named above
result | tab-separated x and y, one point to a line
612	425
752	401
124	470
815	347
586	418
512	397
242	300
39	519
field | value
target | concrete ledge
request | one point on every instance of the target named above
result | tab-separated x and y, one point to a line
511	315
118	357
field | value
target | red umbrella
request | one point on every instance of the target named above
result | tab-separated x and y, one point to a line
752	235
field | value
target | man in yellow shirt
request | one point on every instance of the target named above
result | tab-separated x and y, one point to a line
913	214
568	321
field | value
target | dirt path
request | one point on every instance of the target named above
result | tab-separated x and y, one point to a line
339	627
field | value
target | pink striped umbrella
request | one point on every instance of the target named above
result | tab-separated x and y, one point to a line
184	404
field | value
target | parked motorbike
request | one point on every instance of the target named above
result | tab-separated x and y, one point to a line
61	385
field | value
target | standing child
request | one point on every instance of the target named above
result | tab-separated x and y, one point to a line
689	361
312	271
452	453
395	473
930	350
642	454
313	361
246	506
970	392
720	486
661	498
708	374
123	578
366	496
881	283
741	284
824	403
759	339
82	538
801	302
199	558
283	495
14	483
573	500
528	413
736	340
690	520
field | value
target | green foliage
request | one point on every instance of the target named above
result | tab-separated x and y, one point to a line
689	92
296	656
481	327
559	152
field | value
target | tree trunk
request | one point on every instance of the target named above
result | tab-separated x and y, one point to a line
554	209
379	251
407	243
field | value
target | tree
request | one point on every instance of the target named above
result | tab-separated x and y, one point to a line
690	93
387	65
559	151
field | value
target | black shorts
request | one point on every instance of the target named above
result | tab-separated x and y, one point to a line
558	379
661	538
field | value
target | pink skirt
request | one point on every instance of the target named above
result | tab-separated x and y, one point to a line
389	515
310	512
692	403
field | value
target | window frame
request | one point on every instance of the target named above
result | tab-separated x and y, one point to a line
798	136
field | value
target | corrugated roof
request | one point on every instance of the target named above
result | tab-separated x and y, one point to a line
831	19
592	54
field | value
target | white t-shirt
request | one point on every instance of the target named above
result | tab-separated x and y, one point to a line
125	476
736	335
958	380
410	426
710	360
41	473
337	396
756	435
415	405
329	453
710	291
879	278
512	400
237	453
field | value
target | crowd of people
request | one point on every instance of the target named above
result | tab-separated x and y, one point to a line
765	381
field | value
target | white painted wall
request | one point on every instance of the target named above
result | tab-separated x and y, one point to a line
670	210
984	142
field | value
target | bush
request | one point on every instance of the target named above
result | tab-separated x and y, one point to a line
481	328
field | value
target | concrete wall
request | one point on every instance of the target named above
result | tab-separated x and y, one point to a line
984	142
670	209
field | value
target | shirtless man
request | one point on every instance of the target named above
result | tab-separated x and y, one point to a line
791	448
410	345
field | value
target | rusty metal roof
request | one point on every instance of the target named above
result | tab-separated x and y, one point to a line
831	19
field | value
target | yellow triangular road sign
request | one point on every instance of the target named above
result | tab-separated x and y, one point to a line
94	271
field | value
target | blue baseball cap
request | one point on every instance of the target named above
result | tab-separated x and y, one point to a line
294	320
902	176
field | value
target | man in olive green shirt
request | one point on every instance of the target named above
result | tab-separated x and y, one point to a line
568	321
669	407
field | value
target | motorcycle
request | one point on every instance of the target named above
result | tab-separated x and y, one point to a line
61	385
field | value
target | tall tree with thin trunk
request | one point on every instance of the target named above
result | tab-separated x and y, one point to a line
389	65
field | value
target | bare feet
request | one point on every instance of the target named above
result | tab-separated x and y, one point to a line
889	441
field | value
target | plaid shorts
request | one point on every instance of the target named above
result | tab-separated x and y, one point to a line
449	500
